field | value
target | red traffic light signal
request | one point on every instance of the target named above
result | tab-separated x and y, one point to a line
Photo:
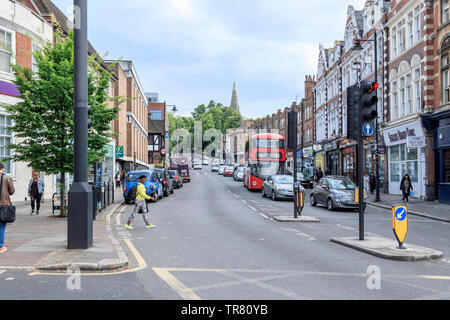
374	87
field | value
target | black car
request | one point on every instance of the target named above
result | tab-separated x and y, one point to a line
164	178
176	178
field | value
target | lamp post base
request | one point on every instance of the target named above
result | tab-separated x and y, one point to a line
80	216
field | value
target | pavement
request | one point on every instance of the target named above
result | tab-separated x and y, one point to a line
40	243
427	209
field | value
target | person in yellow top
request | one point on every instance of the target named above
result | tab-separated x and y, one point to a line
140	204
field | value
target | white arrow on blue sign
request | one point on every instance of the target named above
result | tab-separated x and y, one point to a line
400	214
368	129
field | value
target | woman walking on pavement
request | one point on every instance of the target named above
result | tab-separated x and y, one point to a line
406	187
372	183
36	190
7	190
141	204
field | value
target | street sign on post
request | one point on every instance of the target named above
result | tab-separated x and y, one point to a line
400	224
368	129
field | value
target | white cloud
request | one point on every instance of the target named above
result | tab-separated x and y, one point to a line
191	51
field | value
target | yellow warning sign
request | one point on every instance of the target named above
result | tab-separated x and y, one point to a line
400	223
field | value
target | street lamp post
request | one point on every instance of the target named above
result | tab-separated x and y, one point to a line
80	215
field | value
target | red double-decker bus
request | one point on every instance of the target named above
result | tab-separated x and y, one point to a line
267	158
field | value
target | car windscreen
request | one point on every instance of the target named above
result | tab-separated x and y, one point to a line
284	179
229	168
134	177
240	169
173	174
342	184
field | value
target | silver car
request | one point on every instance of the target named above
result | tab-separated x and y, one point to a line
239	174
279	187
221	169
334	192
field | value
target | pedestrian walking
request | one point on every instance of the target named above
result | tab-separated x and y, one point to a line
36	188
123	178
406	187
372	182
141	204
7	190
320	174
118	179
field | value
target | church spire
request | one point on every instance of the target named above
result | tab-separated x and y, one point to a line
234	99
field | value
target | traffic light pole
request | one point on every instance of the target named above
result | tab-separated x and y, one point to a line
80	215
377	152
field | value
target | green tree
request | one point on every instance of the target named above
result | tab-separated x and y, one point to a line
43	119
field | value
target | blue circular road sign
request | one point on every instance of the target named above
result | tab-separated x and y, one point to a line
400	214
368	129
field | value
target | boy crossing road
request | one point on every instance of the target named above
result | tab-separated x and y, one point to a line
141	205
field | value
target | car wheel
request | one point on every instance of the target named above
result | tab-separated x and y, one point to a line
274	196
330	205
127	201
263	193
172	191
313	201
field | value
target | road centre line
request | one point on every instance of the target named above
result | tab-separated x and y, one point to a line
118	215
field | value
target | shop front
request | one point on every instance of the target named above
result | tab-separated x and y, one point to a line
333	158
406	155
319	157
349	159
439	124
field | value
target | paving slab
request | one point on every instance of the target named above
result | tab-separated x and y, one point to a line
40	242
388	249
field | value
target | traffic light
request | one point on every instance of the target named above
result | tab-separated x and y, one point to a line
369	101
353	112
292	130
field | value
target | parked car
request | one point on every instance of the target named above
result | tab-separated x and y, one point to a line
239	174
215	167
176	178
279	187
335	192
305	181
205	162
152	185
228	171
164	179
221	169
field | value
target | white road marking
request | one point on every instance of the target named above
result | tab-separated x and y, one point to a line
252	208
264	216
2	271
9	279
243	201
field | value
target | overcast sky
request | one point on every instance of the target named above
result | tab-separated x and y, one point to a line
191	51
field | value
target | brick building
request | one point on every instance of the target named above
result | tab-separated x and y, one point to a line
158	129
132	123
436	118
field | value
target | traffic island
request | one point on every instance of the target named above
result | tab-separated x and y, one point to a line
388	249
299	219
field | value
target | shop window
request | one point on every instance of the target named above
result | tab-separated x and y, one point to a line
5	141
395	172
395	154
412	170
411	154
446	161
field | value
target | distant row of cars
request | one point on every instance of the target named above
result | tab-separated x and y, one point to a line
229	170
159	183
